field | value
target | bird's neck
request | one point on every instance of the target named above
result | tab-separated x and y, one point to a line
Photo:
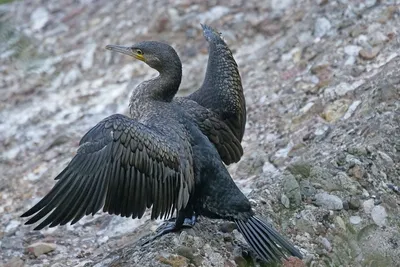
161	88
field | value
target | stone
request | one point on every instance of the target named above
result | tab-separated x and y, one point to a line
355	219
185	251
325	242
334	111
351	109
39	18
307	190
285	201
368	205
379	215
278	5
322	26
339	221
377	38
291	189
352	50
88	55
369	53
227	227
354	203
15	262
12	226
328	201
40	248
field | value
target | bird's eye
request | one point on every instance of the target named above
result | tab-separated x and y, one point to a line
139	52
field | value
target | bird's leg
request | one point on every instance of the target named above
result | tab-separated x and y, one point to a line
190	222
182	221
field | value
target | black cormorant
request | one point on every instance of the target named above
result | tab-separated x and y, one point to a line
160	159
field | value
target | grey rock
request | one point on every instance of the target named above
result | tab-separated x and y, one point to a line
355	219
328	201
305	37
368	205
339	221
278	5
291	189
322	26
354	203
12	226
346	183
377	38
285	201
227	227
307	222
307	190
325	242
324	178
379	215
15	262
389	163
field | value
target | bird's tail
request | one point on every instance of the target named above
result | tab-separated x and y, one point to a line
211	34
266	241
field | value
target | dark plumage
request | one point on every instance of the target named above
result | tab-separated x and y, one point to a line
159	159
222	90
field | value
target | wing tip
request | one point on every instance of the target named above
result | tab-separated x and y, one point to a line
211	34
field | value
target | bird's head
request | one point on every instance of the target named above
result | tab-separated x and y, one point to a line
155	54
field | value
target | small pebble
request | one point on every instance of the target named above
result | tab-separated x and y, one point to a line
369	53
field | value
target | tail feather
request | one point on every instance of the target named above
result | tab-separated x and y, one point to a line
266	241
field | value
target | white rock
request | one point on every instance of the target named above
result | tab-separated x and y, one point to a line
322	26
355	219
379	215
39	18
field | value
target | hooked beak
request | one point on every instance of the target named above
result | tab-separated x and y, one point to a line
125	50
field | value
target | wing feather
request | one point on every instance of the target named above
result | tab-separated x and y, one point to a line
124	167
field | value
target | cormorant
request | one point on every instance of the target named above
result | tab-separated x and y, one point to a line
157	159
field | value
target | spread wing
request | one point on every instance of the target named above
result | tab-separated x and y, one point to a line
224	140
124	167
222	90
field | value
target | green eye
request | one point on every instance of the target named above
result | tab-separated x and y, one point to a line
139	52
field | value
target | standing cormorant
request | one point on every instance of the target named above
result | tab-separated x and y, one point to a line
159	159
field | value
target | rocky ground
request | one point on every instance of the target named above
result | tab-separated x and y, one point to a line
322	161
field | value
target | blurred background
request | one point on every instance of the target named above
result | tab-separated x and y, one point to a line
322	86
